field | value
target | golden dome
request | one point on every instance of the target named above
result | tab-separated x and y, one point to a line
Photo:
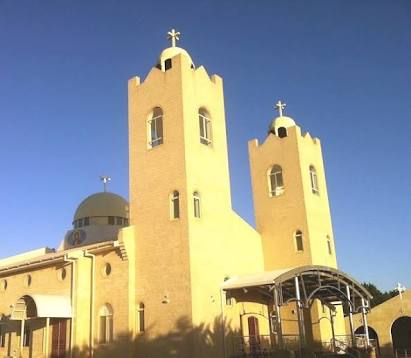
102	204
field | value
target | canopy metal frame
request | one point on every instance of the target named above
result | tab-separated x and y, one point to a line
303	285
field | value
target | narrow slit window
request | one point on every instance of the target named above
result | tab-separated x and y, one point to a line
155	127
204	122
175	205
329	246
314	180
276	181
299	240
141	323
197	204
167	64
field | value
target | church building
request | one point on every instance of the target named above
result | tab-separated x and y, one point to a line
174	271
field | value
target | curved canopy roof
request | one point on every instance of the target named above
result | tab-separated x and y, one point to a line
315	282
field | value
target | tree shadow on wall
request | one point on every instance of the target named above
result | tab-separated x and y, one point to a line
204	340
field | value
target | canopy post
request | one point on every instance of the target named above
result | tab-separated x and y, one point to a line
364	320
332	329
299	314
350	316
46	351
278	326
21	336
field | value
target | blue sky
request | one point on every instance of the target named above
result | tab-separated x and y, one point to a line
343	67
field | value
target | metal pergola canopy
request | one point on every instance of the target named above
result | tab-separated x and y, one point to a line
329	285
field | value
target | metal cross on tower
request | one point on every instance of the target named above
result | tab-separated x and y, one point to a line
105	179
280	106
174	36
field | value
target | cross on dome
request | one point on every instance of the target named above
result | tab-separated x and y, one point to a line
105	179
174	36
280	106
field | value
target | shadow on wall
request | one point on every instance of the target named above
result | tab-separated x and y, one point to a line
203	340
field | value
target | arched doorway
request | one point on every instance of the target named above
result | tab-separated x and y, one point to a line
401	335
372	335
254	334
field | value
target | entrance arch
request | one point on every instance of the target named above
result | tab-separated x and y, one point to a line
401	334
372	334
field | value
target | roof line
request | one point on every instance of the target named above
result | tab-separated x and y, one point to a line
52	257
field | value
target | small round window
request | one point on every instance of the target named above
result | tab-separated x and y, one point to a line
27	281
62	274
107	270
3	285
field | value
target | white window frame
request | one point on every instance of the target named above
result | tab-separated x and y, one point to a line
153	124
314	180
276	189
205	128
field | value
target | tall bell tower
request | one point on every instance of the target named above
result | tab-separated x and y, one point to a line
186	234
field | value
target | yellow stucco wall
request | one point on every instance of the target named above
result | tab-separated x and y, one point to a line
111	289
382	317
184	260
278	217
297	208
44	280
175	267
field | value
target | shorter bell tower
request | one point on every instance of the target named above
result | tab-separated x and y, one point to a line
292	211
290	197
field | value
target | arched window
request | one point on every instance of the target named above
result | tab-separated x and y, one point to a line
155	128
282	132
329	247
314	180
298	236
204	122
276	181
197	204
175	205
106	324
141	323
